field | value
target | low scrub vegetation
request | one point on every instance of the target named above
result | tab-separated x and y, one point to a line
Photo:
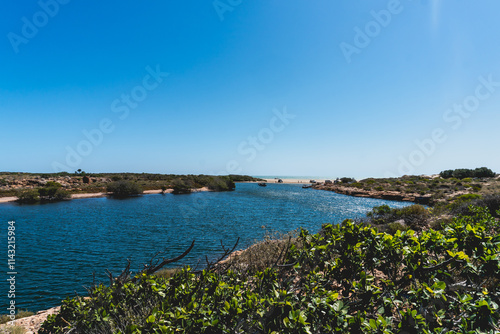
51	192
428	189
21	314
122	189
15	184
348	278
415	217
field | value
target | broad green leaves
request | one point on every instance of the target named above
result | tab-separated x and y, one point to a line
346	279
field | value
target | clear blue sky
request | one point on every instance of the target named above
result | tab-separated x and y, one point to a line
355	85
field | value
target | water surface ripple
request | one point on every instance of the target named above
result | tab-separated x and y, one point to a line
60	245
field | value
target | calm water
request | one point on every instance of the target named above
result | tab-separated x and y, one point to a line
60	245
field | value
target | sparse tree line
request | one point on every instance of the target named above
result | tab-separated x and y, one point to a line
122	185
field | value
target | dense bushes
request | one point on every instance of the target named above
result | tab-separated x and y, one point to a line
182	186
461	205
124	189
243	178
463	173
415	217
28	196
51	192
346	279
185	184
347	180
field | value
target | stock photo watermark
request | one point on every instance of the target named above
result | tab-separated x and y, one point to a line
223	6
248	150
363	36
454	117
121	107
31	26
11	272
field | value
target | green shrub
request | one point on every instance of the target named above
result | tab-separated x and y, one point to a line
53	184
221	183
379	188
467	197
462	206
181	186
379	211
483	172
392	228
347	180
28	196
61	195
124	188
415	216
348	278
463	173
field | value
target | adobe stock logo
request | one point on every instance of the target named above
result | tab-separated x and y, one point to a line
223	6
30	27
363	37
119	106
454	117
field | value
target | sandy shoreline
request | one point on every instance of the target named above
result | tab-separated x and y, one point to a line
294	181
158	191
102	194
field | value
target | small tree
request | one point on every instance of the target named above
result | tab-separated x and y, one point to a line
347	180
28	196
124	189
484	172
180	186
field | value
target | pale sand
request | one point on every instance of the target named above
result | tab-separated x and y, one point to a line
7	199
94	195
294	180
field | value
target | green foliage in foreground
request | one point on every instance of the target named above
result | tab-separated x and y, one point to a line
347	278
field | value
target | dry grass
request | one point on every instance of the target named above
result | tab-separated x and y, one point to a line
264	254
21	314
12	330
167	272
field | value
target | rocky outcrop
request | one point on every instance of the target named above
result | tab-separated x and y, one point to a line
388	195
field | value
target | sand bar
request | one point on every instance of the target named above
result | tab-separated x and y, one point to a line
294	180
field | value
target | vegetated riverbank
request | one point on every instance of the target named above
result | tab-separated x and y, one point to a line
426	190
348	278
62	186
396	236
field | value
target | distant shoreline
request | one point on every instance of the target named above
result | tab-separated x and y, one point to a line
168	191
105	194
288	181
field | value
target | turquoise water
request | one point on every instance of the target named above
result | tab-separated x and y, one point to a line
60	245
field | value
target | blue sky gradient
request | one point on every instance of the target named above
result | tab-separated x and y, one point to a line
253	87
